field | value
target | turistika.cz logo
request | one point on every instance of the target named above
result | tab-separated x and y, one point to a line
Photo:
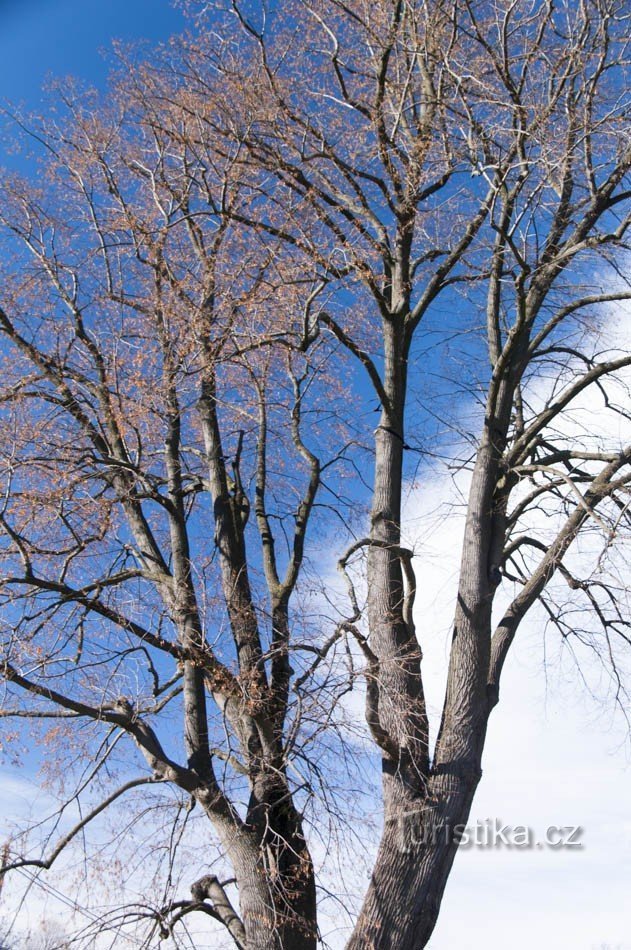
415	829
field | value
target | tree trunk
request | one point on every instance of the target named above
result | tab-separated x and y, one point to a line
277	897
415	856
398	707
422	818
286	872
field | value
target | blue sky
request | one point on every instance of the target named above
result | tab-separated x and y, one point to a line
39	38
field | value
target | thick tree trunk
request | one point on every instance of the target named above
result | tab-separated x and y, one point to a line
285	870
423	813
420	838
276	882
419	842
280	914
415	856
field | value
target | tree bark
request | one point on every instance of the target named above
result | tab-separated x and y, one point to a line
423	806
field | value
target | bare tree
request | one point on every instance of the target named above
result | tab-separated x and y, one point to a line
219	276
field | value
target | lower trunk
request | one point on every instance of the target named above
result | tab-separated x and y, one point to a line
419	844
277	895
415	856
279	913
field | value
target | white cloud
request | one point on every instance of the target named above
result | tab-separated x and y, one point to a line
552	757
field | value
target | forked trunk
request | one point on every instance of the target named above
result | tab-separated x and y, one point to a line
425	808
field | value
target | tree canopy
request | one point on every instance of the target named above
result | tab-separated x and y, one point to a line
289	259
